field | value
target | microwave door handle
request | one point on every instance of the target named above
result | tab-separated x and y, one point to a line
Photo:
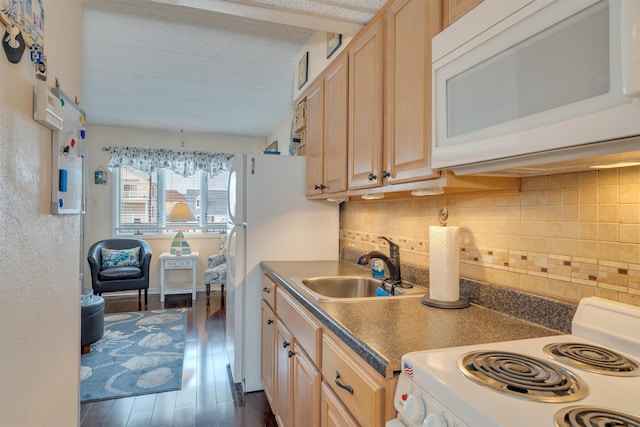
630	46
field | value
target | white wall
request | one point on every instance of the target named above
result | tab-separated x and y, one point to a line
282	134
99	218
39	288
317	48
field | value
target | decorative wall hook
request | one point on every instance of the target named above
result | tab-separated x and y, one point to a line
13	43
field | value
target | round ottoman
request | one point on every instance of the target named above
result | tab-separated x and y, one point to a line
92	324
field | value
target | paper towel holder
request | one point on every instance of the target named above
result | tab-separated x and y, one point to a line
462	302
443	216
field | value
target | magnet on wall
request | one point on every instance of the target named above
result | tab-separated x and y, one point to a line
36	54
62	186
82	133
60	202
13	44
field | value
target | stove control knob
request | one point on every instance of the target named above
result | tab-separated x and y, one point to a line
435	420
414	409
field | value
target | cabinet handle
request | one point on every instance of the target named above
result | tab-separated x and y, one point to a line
285	344
269	321
336	380
267	290
385	174
372	177
319	187
291	354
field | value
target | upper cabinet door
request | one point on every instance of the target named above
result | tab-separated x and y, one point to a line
335	126
366	68
455	9
410	26
314	135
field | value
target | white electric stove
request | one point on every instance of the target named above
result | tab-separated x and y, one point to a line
548	381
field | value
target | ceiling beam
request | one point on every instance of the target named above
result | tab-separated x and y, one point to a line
279	16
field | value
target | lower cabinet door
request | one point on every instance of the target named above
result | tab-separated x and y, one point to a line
306	390
267	360
332	411
284	342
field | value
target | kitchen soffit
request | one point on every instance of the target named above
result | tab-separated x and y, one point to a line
205	66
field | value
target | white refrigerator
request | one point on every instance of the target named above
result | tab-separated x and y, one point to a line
269	218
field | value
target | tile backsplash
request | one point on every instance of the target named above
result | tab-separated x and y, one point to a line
565	236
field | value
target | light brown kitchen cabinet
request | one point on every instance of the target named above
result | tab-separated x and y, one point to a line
366	68
332	411
309	362
369	112
390	90
335	126
410	26
356	388
306	390
326	130
314	136
284	397
267	359
452	10
291	348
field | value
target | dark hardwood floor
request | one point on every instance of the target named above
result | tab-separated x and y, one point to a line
208	396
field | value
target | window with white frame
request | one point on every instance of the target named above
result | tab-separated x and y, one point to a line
143	201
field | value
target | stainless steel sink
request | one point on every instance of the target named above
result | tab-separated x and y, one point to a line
349	287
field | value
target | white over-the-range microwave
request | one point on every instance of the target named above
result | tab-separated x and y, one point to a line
522	85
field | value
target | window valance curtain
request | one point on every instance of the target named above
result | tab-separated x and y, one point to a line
184	163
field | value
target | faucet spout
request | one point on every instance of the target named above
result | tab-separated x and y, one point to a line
392	261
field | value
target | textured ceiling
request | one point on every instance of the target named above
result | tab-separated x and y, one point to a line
201	65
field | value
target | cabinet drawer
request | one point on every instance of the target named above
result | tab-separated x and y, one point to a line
269	291
178	263
358	391
306	330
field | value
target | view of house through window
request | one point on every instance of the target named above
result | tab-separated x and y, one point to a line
143	201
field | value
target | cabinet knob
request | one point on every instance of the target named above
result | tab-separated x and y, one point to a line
291	354
285	344
372	177
269	321
319	187
385	174
336	379
266	290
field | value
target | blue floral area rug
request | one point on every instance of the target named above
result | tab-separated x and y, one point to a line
140	353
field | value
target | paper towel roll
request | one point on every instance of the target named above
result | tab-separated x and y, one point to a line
444	264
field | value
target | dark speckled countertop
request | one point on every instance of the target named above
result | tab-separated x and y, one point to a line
381	330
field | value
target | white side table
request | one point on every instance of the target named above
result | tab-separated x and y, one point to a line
178	262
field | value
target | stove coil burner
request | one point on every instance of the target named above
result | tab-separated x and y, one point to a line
522	376
592	416
593	358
